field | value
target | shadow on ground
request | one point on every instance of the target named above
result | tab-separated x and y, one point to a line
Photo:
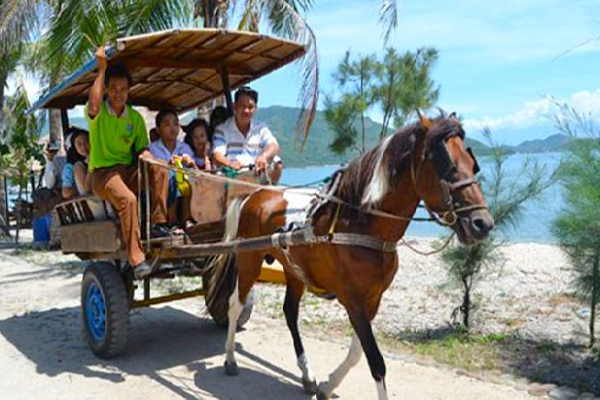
540	361
159	339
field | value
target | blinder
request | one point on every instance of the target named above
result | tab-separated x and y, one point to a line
446	170
476	168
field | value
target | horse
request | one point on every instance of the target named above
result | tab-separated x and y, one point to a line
371	206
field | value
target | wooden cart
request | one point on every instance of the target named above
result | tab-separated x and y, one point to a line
178	69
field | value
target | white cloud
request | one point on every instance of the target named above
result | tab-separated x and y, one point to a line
538	112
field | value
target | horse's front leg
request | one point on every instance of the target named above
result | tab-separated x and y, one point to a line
335	378
291	304
364	338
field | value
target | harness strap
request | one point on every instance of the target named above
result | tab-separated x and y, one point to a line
369	242
306	236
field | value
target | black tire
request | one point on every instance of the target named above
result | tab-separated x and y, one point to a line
219	310
105	309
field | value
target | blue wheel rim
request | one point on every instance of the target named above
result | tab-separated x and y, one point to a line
95	310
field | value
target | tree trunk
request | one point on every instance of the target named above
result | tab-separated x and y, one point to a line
3	79
466	304
18	210
362	110
595	284
4	229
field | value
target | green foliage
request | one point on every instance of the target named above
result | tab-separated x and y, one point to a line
21	136
578	226
404	85
397	84
355	78
505	197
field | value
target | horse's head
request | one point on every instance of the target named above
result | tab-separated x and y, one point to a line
443	171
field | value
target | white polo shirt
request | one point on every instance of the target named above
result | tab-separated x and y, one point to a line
230	142
162	152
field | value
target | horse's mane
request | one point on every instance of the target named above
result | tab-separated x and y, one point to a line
370	176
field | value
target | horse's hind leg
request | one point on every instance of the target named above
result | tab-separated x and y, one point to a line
235	309
335	378
293	294
248	270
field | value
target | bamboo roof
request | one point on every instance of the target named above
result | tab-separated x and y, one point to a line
181	69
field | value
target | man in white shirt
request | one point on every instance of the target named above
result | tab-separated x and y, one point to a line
240	141
54	166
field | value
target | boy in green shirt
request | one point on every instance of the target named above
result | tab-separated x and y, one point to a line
118	143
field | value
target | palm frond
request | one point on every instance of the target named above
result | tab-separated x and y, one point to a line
388	17
285	20
154	15
17	20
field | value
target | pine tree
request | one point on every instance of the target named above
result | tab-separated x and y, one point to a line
578	226
505	196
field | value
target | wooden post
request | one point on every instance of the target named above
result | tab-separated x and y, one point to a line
64	120
226	88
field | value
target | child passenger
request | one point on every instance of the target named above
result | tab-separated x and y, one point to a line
199	137
167	146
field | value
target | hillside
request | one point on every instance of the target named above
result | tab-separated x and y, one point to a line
556	142
282	121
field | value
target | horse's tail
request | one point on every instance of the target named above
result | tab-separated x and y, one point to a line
220	275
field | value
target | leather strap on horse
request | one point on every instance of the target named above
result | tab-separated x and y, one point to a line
369	242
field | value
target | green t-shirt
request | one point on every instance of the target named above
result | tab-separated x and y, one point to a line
113	139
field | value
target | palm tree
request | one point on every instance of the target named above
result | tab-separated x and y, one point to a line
16	20
76	31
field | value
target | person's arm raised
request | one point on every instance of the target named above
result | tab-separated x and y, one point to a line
97	91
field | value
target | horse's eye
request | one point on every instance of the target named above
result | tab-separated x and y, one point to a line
475	163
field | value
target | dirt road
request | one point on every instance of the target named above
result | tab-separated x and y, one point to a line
176	352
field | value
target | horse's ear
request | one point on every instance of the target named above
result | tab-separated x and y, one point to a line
426	122
453	115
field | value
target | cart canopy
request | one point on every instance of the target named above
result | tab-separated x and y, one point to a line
181	69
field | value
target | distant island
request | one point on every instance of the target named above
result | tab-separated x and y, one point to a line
282	121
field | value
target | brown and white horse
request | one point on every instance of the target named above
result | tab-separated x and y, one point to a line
377	197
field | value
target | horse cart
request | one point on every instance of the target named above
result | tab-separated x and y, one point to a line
182	70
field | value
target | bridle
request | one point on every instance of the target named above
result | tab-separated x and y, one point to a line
438	154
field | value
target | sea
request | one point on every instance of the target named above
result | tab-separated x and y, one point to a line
536	217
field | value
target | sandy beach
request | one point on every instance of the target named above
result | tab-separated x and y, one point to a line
176	350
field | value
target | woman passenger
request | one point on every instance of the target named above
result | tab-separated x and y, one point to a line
75	177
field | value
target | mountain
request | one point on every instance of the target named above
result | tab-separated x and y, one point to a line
556	142
282	121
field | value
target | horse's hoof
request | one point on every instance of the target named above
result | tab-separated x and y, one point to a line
310	387
320	394
231	369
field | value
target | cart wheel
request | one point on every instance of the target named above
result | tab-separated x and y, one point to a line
104	309
219	311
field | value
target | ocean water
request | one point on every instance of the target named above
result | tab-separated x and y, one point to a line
534	225
536	218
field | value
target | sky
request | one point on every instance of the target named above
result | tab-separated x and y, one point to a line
501	63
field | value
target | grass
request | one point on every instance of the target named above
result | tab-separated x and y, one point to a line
469	352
